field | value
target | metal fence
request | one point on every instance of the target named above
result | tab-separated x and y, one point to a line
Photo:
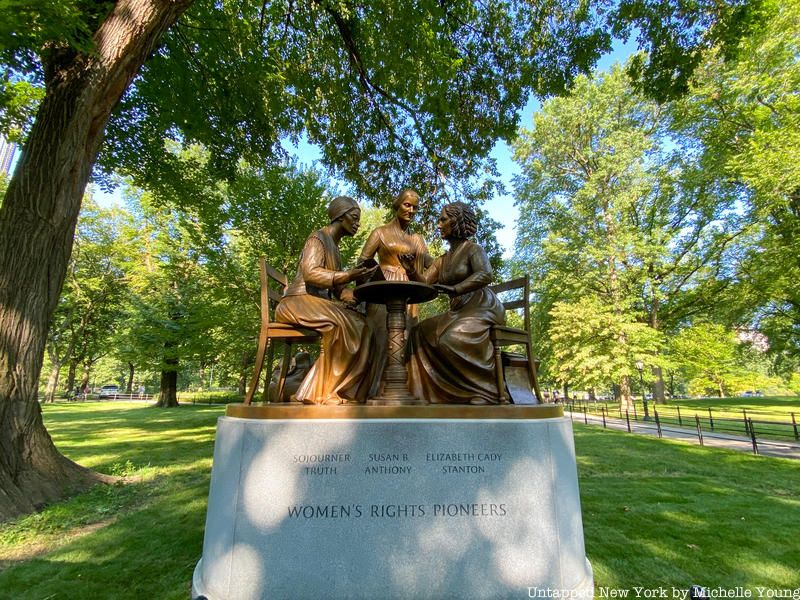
211	397
757	427
95	397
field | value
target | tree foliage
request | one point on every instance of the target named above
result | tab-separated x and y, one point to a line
194	301
614	214
593	344
617	216
89	310
706	354
745	116
673	214
395	95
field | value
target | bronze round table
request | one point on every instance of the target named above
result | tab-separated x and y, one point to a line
396	295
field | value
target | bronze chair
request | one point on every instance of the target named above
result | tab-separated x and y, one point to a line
272	330
503	336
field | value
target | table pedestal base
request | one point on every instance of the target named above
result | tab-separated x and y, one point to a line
396	295
395	376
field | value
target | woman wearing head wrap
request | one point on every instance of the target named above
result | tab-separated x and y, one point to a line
343	372
451	355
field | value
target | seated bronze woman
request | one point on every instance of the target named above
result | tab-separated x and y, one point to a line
344	371
451	356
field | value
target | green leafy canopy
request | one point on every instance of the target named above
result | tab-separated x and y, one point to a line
395	94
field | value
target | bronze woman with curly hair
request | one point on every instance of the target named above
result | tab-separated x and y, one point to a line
451	357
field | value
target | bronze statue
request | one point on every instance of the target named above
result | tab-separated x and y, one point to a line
344	371
389	242
393	239
301	364
451	357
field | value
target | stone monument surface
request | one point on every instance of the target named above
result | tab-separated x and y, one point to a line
393	502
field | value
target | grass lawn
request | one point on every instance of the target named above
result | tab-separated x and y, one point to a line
655	512
130	541
667	513
783	405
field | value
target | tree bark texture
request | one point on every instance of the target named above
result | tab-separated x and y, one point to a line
625	393
658	383
52	383
131	371
659	388
169	386
87	371
244	365
73	368
37	227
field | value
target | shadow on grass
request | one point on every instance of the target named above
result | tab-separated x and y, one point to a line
654	512
153	530
148	553
141	435
666	513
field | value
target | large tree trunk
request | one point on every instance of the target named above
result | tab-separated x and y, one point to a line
37	226
625	394
248	358
658	385
73	368
169	385
52	383
87	371
131	371
55	370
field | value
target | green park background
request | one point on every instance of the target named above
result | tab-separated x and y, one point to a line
661	232
659	219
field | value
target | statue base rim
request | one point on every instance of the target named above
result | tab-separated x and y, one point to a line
286	410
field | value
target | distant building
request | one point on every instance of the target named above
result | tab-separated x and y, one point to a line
7	150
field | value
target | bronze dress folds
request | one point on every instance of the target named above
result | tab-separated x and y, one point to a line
343	371
390	241
451	355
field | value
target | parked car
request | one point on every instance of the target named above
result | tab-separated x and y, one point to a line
109	391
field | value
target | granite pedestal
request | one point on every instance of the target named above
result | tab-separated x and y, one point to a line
393	502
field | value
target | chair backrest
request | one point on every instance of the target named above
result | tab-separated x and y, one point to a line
516	295
273	286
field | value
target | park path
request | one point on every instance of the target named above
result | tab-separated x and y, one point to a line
782	449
